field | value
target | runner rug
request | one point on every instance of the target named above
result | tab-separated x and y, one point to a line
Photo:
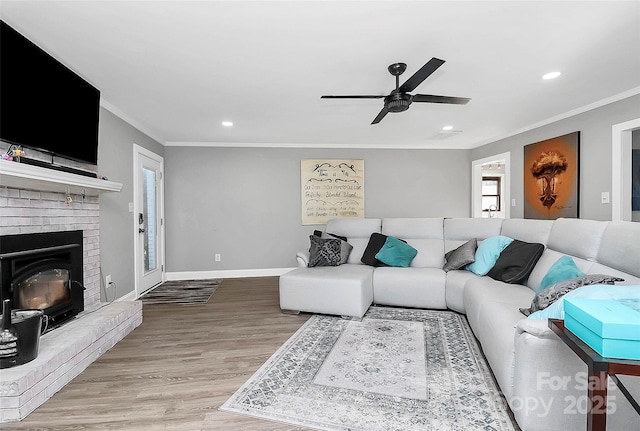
182	292
397	369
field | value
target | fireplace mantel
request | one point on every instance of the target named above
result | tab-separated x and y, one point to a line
30	177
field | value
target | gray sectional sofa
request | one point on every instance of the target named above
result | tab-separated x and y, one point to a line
526	357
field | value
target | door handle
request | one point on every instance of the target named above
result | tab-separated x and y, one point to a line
141	230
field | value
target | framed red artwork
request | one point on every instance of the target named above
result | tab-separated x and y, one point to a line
552	178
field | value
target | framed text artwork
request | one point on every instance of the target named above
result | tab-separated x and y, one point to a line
551	178
331	189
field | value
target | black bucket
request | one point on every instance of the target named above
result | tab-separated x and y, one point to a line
27	326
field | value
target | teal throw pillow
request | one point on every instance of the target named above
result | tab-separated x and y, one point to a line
562	269
395	252
488	253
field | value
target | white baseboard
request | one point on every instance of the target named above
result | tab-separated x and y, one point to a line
231	273
131	296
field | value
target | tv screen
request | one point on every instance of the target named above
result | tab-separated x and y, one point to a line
44	105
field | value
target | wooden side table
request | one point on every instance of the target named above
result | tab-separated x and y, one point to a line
599	369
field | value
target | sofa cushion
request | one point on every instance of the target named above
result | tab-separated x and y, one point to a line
487	254
563	269
619	247
554	292
410	287
455	284
457	231
422	233
324	252
516	262
395	252
576	237
529	230
492	312
461	256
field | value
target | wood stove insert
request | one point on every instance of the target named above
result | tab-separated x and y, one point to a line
43	271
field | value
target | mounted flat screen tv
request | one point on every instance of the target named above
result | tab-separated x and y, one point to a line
44	105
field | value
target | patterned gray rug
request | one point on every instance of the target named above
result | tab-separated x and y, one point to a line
397	369
182	292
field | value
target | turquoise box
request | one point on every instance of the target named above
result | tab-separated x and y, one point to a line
610	327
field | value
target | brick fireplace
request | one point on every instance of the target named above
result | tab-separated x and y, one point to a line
30	211
65	351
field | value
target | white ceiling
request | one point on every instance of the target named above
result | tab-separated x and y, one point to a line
177	69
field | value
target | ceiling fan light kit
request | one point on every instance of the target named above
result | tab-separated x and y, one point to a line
397	102
399	99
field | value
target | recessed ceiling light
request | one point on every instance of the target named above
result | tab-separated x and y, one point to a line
446	128
551	75
227	123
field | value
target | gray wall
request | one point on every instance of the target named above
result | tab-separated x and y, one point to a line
115	161
244	203
595	153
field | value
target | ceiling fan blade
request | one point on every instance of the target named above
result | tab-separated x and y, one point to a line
380	116
353	97
422	74
430	98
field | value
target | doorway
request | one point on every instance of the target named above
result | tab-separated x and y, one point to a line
621	184
148	201
491	187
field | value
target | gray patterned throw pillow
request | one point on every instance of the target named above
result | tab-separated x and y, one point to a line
345	247
461	256
324	252
554	292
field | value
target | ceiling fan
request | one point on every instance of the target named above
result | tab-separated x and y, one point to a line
400	99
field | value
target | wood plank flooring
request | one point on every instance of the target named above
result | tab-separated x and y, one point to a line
177	367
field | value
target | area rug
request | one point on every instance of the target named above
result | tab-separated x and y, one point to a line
397	369
182	292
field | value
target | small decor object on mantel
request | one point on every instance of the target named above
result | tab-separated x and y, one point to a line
14	153
551	178
331	189
610	327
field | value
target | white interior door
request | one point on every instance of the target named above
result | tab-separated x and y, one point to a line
148	219
621	186
476	184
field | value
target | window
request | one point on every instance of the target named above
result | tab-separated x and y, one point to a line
491	187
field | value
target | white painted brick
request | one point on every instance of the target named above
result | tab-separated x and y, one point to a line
74	346
30	194
9	415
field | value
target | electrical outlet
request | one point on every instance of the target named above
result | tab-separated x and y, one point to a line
107	281
218	257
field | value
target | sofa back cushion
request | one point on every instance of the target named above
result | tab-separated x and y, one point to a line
423	234
577	237
457	231
527	230
619	247
357	232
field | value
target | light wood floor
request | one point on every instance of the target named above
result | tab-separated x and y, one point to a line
177	367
